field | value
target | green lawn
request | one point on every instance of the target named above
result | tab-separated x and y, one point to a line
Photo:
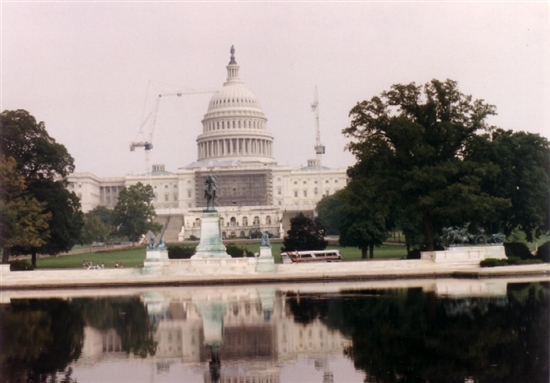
134	258
130	258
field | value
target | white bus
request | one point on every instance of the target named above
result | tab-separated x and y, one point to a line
311	256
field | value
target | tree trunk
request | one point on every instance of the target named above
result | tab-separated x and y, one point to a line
33	256
6	254
364	251
371	251
428	233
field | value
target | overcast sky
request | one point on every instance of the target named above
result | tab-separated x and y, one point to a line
91	70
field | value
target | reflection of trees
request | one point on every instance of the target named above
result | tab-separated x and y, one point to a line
127	316
39	338
409	336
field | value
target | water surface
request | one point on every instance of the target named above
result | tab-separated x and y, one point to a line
399	331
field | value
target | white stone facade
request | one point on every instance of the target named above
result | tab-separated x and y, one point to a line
235	146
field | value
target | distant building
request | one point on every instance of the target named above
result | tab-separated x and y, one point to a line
254	192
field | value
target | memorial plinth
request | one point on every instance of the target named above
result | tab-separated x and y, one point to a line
464	255
155	259
266	262
210	245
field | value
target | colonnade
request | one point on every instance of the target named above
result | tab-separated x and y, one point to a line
235	146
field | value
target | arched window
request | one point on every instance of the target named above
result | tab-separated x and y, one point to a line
245	221
233	221
268	220
221	221
256	221
197	222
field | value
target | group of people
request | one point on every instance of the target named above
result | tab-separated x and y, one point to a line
90	266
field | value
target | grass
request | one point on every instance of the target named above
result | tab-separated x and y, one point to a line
135	257
130	258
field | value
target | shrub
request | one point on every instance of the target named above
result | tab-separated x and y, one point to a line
181	252
21	265
414	254
492	262
237	251
256	234
193	238
543	252
519	261
517	249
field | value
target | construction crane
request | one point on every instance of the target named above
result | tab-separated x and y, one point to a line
145	135
319	148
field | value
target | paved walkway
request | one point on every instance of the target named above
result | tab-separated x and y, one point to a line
245	271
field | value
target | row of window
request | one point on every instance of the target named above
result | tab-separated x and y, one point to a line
239	124
305	182
229	101
234	222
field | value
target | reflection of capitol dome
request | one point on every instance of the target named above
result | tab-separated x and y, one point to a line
234	127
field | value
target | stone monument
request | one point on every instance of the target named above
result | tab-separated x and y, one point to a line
156	255
210	245
266	262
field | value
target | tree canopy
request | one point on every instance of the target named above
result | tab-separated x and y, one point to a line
134	212
43	165
23	219
97	224
304	234
430	151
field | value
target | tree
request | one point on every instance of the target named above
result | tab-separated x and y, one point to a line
522	175
97	224
304	234
67	218
134	212
364	222
44	165
23	220
412	145
329	211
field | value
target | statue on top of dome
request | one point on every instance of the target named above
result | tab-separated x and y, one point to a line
232	51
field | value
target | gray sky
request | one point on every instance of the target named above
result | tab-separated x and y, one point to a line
91	70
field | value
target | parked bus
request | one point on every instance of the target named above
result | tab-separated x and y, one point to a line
311	256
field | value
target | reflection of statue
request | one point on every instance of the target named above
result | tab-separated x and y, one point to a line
265	239
210	192
215	364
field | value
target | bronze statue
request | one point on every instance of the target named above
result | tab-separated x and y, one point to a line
210	192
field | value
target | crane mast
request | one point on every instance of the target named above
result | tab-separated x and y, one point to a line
145	136
319	148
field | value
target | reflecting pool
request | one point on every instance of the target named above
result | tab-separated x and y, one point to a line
397	331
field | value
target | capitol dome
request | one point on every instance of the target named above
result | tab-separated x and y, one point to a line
234	128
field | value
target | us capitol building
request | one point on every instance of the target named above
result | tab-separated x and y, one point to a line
253	191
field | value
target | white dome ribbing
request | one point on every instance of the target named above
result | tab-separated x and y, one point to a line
234	127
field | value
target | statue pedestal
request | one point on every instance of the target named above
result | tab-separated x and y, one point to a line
155	259
210	245
266	262
464	255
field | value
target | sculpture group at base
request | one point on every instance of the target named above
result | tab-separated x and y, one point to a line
460	236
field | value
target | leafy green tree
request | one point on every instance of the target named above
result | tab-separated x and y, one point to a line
67	218
522	175
304	234
134	212
364	220
23	220
44	164
412	145
97	224
329	211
